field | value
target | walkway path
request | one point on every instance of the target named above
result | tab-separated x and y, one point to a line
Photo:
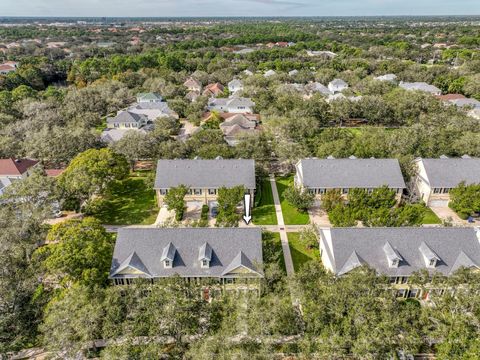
447	214
281	228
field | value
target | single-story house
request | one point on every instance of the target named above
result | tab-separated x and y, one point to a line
204	177
387	77
420	86
269	73
152	110
319	175
325	54
224	259
337	85
235	85
475	113
244	51
127	120
400	252
192	96
111	135
12	170
466	103
233	104
316	87
193	85
436	177
213	89
8	67
235	126
293	87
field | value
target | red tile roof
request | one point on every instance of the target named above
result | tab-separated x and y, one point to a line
214	88
448	97
7	67
15	166
54	172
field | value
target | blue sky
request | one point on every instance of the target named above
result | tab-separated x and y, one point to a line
237	7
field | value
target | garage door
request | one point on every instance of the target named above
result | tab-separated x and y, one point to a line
438	203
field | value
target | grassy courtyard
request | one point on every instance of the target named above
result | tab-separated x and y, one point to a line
429	217
264	213
272	249
291	215
300	252
128	202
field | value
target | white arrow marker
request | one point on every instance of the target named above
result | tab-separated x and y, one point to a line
246	205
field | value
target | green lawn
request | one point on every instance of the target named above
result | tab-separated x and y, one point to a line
272	249
102	126
264	213
300	252
291	215
429	217
128	202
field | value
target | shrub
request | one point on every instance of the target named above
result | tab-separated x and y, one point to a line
302	200
331	199
204	214
465	200
179	214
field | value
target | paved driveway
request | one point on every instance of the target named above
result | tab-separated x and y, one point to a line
194	210
318	216
164	216
447	214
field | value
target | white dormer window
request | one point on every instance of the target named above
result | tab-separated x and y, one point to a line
205	264
167	264
429	256
393	256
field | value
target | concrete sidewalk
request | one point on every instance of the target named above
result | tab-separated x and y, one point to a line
281	228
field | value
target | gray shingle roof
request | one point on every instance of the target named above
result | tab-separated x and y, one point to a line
351	173
466	102
318	87
463	260
127	117
421	86
210	174
449	172
230	248
132	261
148	97
454	247
205	252
241	260
240	101
168	252
338	82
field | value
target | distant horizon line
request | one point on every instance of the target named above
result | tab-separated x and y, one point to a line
228	16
